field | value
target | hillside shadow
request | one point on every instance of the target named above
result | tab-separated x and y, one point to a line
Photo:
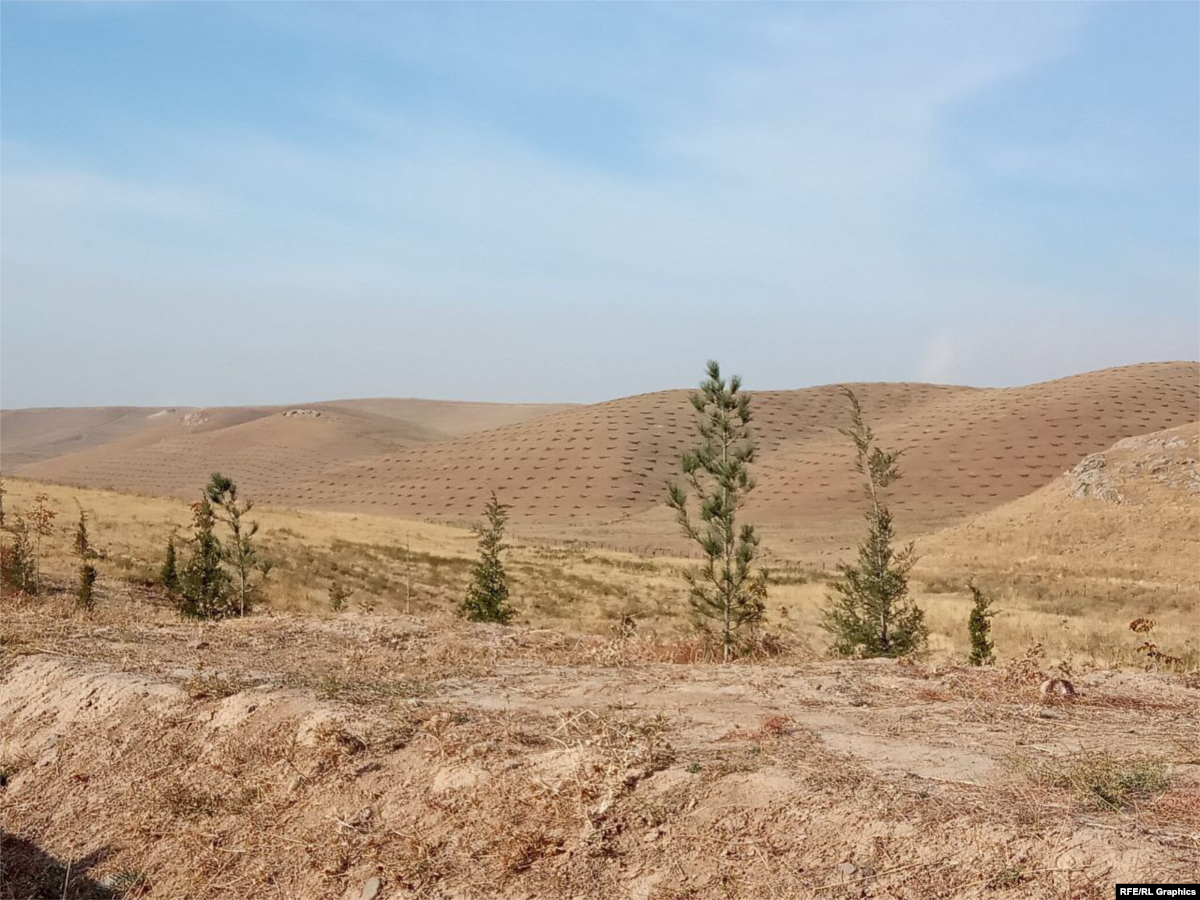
27	872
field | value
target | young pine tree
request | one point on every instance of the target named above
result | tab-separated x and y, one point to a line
728	588
168	575
240	552
41	520
16	560
85	588
870	612
487	597
205	591
979	625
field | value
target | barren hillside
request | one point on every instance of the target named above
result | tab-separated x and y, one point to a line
599	470
1129	513
167	451
383	757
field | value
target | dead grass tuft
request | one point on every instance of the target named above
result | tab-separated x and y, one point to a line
1099	780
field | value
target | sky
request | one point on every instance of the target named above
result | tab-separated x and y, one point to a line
231	203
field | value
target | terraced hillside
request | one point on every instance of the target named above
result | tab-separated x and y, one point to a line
600	469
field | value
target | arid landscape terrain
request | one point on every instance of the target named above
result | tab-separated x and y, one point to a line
599	451
596	472
596	747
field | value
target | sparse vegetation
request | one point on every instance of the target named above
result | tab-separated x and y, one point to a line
1148	648
168	575
729	588
41	518
979	627
240	551
205	591
487	597
339	594
85	587
16	560
1101	779
871	613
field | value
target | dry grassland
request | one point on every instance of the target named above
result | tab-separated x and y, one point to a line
1078	616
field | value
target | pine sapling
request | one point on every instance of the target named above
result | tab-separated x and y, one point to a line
871	613
487	597
16	559
85	595
728	589
979	626
41	522
168	575
241	552
205	591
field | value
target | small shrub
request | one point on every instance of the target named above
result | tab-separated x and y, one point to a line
205	591
487	597
979	625
41	518
338	595
168	575
85	589
16	561
1148	647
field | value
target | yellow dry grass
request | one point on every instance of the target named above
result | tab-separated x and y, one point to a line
1077	620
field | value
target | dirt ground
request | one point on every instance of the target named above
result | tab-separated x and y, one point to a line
386	756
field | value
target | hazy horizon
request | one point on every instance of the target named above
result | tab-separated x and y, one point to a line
294	401
259	204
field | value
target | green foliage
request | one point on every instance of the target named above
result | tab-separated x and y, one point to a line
979	625
240	552
17	566
205	590
85	588
870	612
168	575
487	597
728	589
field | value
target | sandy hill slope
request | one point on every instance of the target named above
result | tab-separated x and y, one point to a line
170	450
1129	515
966	450
31	435
604	465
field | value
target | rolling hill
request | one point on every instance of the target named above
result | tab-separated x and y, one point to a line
1127	517
169	451
598	470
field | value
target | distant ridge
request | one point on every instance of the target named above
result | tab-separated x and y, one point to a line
966	449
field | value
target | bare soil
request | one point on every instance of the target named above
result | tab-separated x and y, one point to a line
293	757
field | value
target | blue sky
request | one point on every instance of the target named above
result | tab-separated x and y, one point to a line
210	203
